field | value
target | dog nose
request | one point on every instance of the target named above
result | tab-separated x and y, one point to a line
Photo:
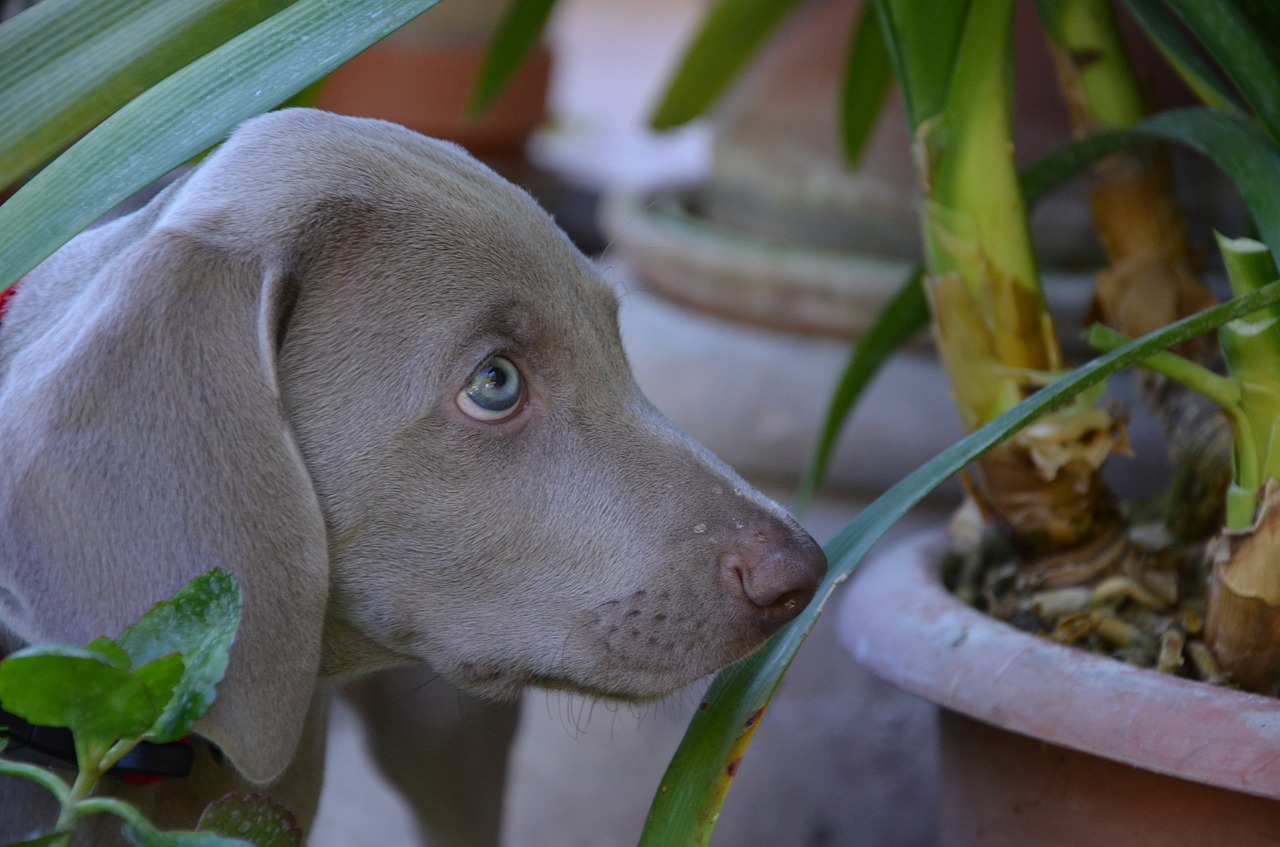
776	572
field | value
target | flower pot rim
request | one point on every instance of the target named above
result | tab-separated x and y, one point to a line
897	619
695	261
716	269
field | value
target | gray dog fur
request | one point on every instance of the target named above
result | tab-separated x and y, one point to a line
260	371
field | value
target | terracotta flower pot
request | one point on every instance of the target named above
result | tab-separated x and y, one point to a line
1042	744
425	87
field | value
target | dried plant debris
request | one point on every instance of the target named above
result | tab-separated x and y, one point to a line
1146	607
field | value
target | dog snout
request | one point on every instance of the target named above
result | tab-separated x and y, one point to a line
776	573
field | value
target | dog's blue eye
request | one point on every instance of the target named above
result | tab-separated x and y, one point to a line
494	393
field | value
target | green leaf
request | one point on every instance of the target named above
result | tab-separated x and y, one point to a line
1264	22
730	35
904	316
1242	151
1061	164
1247	156
688	799
518	33
143	834
161	677
923	37
76	688
67	64
110	652
868	75
199	623
184	115
256	817
1230	38
1168	36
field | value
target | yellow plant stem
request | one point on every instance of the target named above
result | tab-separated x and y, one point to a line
983	279
994	332
1152	280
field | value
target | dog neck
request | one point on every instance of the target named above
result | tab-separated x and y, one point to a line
347	653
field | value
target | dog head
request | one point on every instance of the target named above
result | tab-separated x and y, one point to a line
374	381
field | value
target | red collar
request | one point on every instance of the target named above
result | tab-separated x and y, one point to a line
6	296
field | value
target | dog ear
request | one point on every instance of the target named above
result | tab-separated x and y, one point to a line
142	443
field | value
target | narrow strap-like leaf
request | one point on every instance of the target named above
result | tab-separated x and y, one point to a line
517	34
1229	37
1231	141
923	37
868	76
1200	76
67	64
904	316
687	803
1247	156
186	114
729	37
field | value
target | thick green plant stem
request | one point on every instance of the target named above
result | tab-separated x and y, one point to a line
983	282
1085	35
1251	346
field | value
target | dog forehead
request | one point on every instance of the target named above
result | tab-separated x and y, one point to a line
256	186
426	218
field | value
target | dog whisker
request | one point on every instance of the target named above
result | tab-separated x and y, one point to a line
431	681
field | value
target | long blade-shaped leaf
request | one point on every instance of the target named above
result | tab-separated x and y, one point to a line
868	75
923	37
729	36
517	34
1191	65
1229	36
688	800
904	316
1248	157
186	114
67	64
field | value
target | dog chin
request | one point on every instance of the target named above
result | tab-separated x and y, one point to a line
637	689
638	683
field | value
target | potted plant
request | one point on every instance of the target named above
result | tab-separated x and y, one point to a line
1042	490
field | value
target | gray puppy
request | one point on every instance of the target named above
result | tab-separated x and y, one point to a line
355	368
